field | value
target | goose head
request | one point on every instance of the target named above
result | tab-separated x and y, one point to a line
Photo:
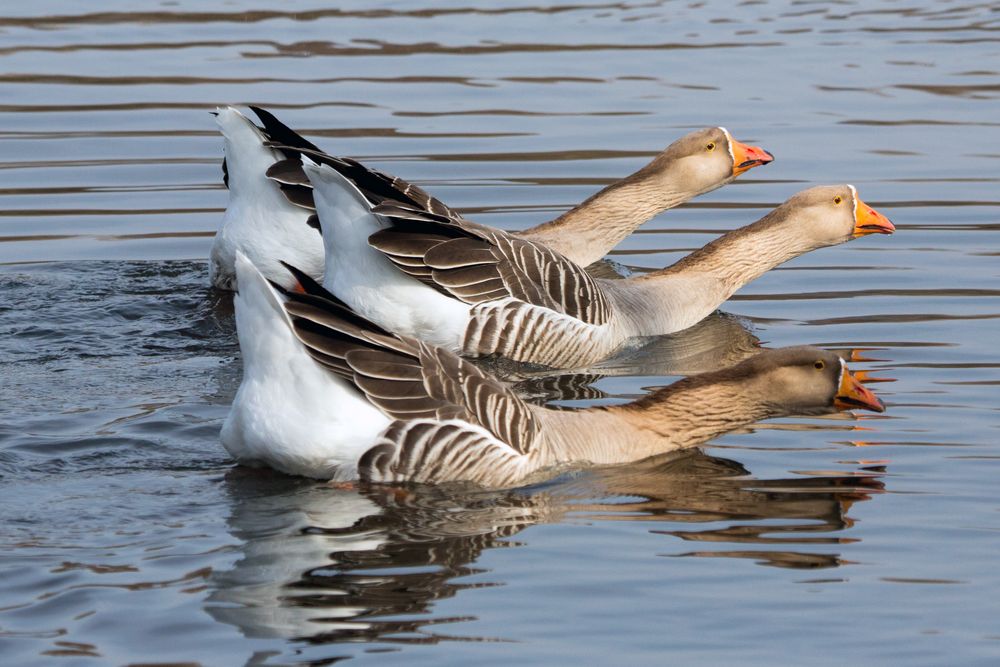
832	214
806	381
704	160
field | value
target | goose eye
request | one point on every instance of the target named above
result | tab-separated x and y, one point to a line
710	146
819	365
838	199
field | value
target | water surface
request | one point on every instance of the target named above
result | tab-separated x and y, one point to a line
128	537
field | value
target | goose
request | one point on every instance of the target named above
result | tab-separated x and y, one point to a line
270	198
482	292
329	395
261	220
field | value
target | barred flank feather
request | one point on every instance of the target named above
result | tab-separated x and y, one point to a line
525	332
434	451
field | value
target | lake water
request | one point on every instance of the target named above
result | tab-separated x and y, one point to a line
126	535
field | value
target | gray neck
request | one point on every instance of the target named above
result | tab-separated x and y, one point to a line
681	295
589	231
744	254
686	414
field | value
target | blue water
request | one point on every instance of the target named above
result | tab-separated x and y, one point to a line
126	534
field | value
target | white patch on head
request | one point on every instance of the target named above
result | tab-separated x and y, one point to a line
854	197
843	369
729	144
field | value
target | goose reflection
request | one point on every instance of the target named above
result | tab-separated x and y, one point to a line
270	517
718	341
324	564
704	489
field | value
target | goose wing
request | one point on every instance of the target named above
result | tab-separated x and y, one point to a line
478	264
453	420
375	185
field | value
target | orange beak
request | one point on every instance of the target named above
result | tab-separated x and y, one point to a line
869	221
853	395
747	157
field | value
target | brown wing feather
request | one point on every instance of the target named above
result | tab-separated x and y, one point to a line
476	264
299	195
407	379
288	171
451	388
327	327
459	253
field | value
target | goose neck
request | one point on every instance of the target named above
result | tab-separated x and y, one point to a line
587	232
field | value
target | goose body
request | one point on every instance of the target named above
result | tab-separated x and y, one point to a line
513	297
260	220
369	281
328	394
289	412
270	199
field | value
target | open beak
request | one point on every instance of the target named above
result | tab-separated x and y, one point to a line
747	157
853	395
869	221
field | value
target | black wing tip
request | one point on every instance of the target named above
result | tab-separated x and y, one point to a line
308	283
312	288
281	132
281	289
266	116
315	154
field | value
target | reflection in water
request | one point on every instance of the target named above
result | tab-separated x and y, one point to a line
718	341
272	516
328	564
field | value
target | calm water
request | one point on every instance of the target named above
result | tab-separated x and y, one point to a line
126	534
